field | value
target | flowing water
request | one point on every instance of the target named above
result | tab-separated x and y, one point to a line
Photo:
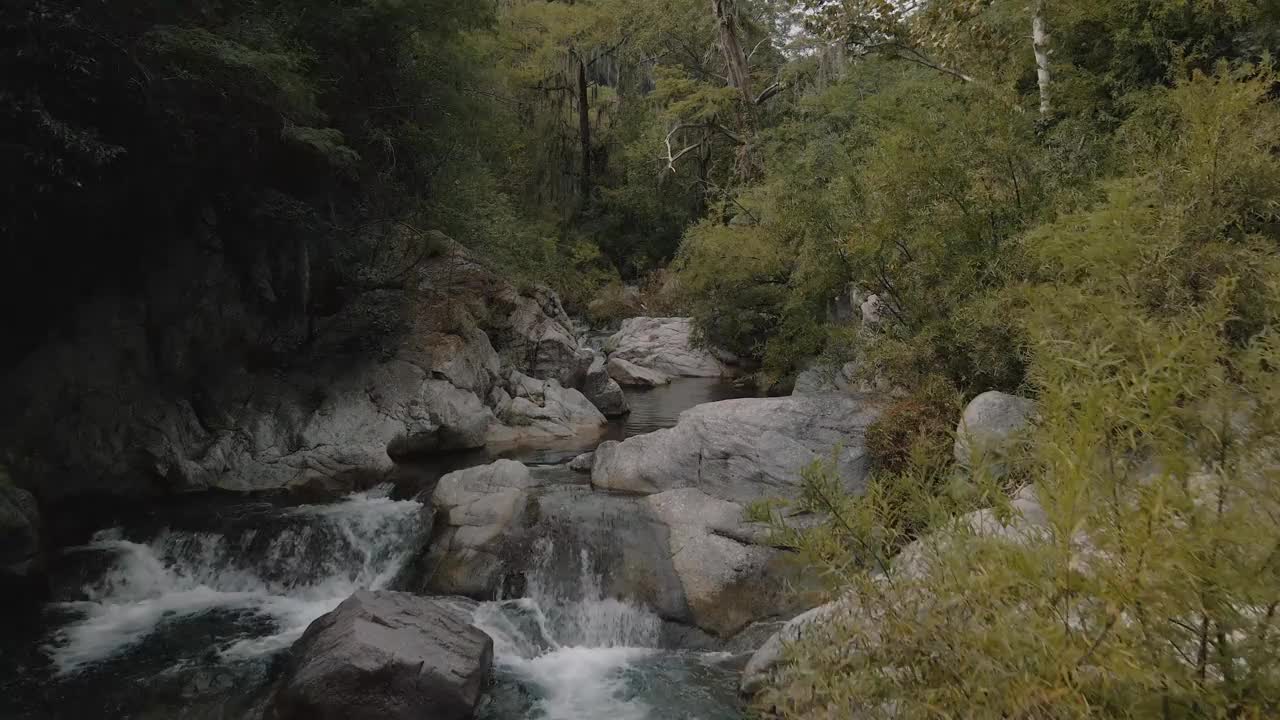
191	617
571	653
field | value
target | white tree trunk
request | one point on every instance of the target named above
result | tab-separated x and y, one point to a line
1040	44
731	46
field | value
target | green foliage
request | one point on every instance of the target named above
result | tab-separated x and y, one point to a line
913	431
1149	588
128	128
735	277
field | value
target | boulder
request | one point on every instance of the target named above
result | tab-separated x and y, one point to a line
874	311
579	543
728	581
846	305
387	656
759	669
533	410
479	507
582	463
820	378
20	554
602	390
663	344
632	375
743	450
990	423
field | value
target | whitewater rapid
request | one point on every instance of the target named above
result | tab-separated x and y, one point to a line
303	569
565	651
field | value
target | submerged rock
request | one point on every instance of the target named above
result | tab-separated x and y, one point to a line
743	450
632	375
665	345
387	656
990	423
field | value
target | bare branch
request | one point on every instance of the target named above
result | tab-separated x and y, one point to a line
769	92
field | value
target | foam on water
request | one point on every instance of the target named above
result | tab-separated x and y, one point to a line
314	562
572	646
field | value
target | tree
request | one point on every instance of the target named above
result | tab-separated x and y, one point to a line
1040	45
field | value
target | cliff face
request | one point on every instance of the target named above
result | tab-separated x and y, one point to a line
288	366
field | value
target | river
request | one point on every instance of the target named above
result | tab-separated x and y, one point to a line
188	610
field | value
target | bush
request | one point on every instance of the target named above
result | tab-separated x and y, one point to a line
1150	585
915	430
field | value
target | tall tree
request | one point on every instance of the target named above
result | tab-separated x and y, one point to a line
1040	46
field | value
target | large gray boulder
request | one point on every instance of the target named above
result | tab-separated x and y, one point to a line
387	656
20	555
663	344
479	508
533	410
874	311
990	423
743	450
386	411
602	390
539	337
729	575
691	558
632	375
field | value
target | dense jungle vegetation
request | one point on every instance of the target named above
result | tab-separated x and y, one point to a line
1074	200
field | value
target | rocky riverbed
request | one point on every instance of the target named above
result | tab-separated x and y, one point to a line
482	522
621	604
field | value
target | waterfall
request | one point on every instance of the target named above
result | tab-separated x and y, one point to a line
268	581
567	647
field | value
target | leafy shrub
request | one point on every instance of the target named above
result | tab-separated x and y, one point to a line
1149	586
915	430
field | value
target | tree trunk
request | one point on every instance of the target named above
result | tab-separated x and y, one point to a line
734	57
584	130
1040	44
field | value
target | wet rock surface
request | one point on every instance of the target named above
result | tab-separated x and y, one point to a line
387	656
